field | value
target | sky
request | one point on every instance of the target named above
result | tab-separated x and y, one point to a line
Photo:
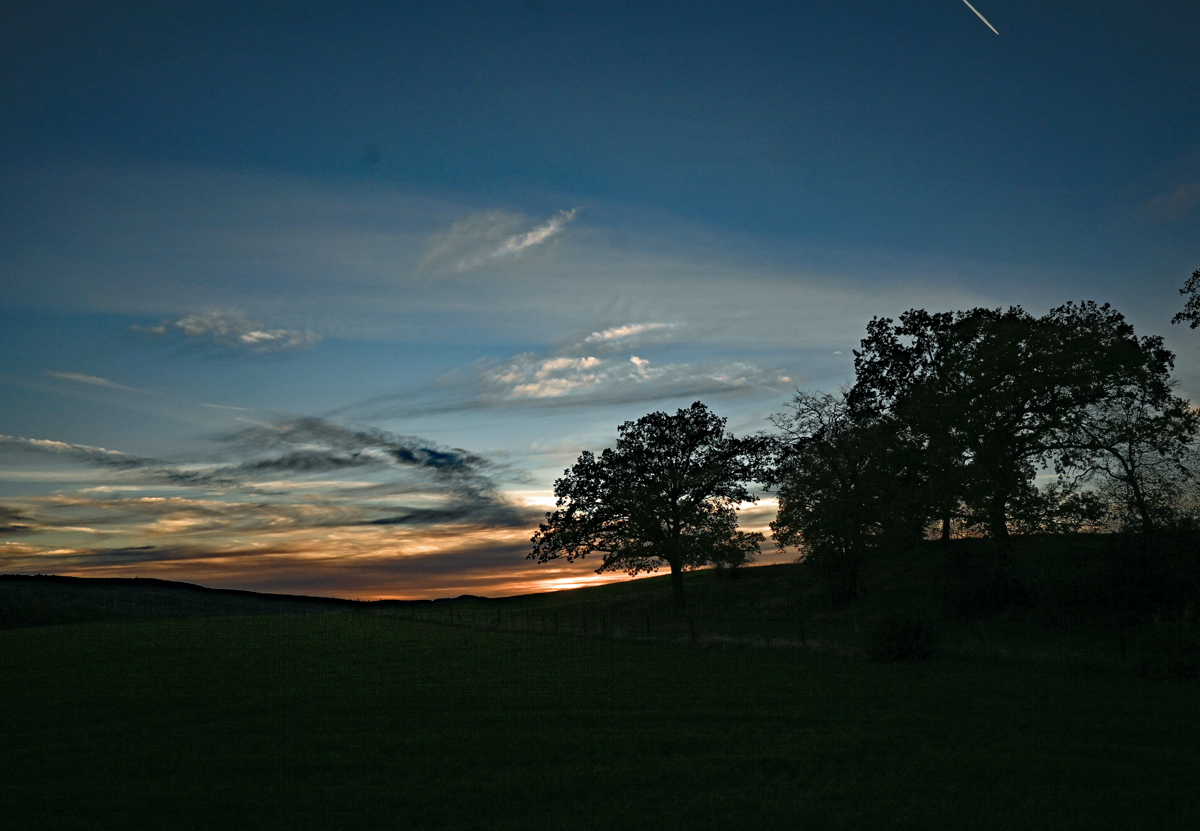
320	298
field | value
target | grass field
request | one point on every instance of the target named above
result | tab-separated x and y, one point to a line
345	720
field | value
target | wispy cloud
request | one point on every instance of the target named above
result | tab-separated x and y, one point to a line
232	331
265	468
227	407
597	370
519	242
629	330
76	452
264	497
13	522
618	374
91	380
384	265
1175	205
490	237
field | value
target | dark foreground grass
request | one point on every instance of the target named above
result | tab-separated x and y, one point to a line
355	721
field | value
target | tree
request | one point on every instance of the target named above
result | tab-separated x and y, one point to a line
1191	309
894	369
994	395
666	494
1138	445
839	474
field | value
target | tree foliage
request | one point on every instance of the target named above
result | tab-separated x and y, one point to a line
839	474
1191	309
667	493
1136	446
993	396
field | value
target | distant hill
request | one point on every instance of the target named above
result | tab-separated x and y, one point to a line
47	599
42	600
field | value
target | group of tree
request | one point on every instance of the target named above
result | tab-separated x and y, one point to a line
950	419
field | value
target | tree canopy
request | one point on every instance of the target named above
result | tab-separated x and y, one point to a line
840	475
667	493
964	408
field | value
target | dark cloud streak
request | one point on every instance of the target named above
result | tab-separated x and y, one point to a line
14	522
461	484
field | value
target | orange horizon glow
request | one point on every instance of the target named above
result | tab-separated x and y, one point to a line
357	562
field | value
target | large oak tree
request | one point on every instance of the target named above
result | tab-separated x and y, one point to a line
667	494
994	395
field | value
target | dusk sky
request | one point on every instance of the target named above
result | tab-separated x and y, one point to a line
320	298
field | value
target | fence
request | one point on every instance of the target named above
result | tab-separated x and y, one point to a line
696	624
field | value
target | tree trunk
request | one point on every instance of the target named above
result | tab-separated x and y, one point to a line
998	521
677	586
1143	507
946	528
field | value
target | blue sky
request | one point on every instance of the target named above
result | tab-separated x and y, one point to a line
322	297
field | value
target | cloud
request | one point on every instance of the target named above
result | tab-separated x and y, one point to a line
490	237
138	468
179	517
621	378
381	264
377	561
598	369
519	242
307	439
263	506
566	378
232	331
227	407
1176	205
528	376
629	330
93	380
262	478
76	452
13	521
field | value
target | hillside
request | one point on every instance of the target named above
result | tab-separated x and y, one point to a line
1094	598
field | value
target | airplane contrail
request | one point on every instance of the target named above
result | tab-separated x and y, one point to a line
981	17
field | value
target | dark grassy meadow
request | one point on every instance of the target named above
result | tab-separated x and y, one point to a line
352	721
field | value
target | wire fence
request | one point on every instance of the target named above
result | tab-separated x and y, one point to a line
695	624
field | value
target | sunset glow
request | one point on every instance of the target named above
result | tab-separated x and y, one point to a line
325	303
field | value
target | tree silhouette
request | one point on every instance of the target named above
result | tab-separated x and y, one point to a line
994	395
840	474
666	494
894	371
1191	309
1138	445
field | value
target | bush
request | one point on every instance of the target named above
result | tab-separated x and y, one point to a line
901	636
